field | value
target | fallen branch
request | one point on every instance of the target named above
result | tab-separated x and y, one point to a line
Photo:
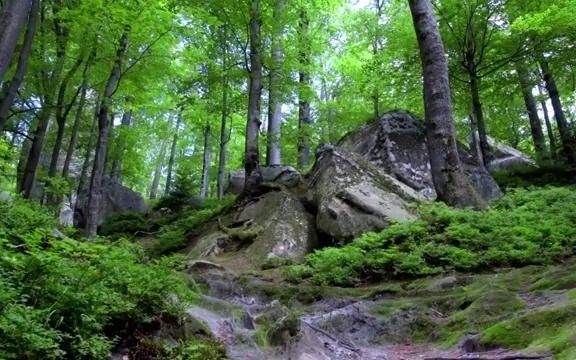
332	337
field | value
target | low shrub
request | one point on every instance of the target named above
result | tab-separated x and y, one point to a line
526	226
69	299
173	236
124	223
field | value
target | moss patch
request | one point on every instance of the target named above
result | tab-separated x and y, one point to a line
549	329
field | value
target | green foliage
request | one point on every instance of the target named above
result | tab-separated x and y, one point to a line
7	168
68	299
196	350
543	175
173	237
124	223
524	227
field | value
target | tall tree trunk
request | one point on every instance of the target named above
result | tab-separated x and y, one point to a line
115	173
95	192
62	111
304	119
82	180
158	171
479	116
78	115
173	152
12	20
569	151
375	51
273	151
224	134
549	129
205	183
51	86
452	185
252	154
35	152
535	125
22	66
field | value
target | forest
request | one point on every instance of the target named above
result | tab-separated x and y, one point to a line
288	179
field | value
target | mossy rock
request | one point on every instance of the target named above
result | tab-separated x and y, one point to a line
552	329
558	279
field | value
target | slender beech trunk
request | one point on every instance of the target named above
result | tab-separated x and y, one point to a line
224	133
479	116
158	171
173	152
549	129
22	66
62	36
252	154
375	51
62	111
452	185
205	183
304	119
476	151
12	20
273	154
535	125
78	115
569	151
95	192
126	122
82	180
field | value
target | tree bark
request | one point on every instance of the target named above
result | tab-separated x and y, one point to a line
304	119
252	154
569	150
205	183
173	152
62	36
479	117
535	126
273	151
12	20
87	155
62	111
78	115
22	66
549	129
116	172
158	172
95	192
452	185
224	133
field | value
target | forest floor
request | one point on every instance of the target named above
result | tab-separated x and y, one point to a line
526	313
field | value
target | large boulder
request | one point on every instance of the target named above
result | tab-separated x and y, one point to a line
283	175
273	226
115	198
396	143
507	157
353	196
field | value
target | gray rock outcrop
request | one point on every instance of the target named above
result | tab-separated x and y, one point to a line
396	143
353	196
274	225
284	175
115	198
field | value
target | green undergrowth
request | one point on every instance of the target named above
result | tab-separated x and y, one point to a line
503	308
62	298
525	227
174	235
543	175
